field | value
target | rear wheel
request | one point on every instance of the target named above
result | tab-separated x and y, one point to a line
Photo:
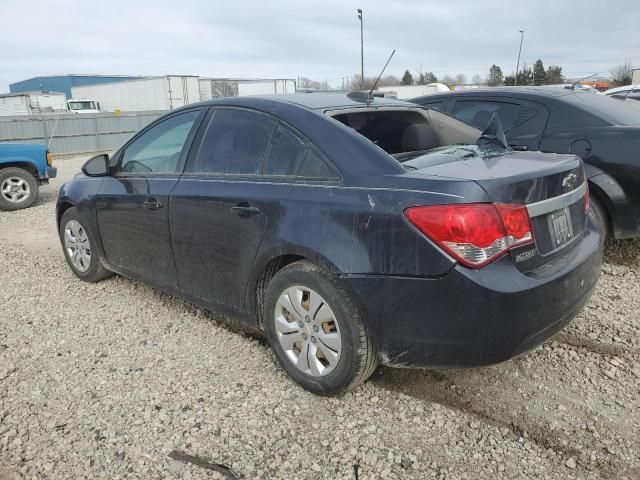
77	244
18	189
316	330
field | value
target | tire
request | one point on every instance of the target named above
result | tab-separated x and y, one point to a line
74	237
600	214
18	188
325	335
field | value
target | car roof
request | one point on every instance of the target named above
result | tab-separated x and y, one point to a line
622	89
313	101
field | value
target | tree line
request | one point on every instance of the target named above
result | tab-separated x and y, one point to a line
536	74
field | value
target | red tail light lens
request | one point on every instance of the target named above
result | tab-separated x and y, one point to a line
474	234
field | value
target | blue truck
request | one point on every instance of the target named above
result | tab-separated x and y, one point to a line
23	168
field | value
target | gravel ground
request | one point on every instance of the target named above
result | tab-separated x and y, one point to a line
107	380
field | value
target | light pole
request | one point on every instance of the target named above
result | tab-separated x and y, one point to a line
361	50
519	52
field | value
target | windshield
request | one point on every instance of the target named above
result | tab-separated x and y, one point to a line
82	106
455	153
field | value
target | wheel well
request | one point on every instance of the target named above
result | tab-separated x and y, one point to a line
599	196
29	167
267	273
63	208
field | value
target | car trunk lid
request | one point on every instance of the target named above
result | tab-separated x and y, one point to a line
552	187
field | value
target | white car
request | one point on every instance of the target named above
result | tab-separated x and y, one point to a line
631	92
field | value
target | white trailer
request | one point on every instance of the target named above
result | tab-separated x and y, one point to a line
234	87
278	86
404	92
151	93
32	103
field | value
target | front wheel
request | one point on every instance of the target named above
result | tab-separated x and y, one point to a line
316	330
18	189
77	244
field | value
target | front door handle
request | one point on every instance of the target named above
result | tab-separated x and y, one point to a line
244	209
151	204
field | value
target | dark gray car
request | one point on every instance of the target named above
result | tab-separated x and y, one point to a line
603	131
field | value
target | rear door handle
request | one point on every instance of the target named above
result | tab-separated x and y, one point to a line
151	204
519	148
244	209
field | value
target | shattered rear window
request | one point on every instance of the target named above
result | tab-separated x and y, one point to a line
448	154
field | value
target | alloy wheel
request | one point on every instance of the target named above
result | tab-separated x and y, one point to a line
15	189
308	331
77	245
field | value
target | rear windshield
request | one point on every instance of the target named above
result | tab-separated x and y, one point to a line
395	131
608	109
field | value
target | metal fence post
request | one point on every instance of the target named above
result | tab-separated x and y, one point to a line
95	124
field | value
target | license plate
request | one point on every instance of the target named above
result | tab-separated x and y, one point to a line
560	226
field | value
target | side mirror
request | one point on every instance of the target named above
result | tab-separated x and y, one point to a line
97	166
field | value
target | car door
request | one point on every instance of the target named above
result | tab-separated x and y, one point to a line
132	203
523	121
231	189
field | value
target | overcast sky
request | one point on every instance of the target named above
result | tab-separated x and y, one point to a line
320	40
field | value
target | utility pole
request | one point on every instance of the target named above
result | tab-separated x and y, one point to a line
361	50
519	52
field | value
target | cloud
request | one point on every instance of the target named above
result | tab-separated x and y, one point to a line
317	40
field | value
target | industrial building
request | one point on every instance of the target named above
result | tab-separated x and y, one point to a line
63	83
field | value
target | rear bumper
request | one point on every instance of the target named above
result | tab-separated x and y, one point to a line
476	317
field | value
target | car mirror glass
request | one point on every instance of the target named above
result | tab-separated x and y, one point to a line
97	166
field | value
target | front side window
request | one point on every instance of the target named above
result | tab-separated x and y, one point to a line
158	149
235	142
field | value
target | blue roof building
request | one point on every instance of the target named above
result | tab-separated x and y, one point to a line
63	83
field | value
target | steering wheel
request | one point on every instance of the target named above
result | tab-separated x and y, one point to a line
136	166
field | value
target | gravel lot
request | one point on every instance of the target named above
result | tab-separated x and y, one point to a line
107	380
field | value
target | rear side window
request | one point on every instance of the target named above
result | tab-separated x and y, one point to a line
315	167
434	105
235	142
285	153
479	112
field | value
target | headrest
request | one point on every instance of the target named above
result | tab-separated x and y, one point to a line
419	136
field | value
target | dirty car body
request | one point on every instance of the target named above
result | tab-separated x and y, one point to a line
341	199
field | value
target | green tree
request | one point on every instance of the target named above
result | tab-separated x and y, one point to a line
421	79
429	77
539	73
525	76
554	75
495	76
407	78
510	80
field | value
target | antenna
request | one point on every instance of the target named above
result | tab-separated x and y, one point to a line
53	131
573	87
383	69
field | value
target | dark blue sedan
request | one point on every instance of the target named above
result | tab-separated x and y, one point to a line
353	231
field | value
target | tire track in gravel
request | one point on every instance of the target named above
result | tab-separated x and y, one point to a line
519	407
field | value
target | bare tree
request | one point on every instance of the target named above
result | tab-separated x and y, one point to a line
621	74
477	80
447	80
461	79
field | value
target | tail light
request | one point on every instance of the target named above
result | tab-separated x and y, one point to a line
474	234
